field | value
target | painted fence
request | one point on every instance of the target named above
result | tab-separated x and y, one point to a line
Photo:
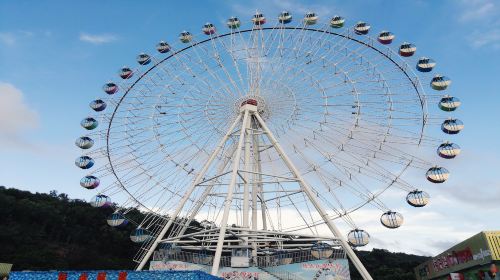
110	275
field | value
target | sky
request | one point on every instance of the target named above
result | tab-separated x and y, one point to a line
55	56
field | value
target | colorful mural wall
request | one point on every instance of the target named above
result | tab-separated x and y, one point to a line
467	257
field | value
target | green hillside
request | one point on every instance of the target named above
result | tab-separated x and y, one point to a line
50	231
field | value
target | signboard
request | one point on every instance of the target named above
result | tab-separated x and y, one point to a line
325	269
176	265
475	251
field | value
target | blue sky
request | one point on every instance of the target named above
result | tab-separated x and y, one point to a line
55	56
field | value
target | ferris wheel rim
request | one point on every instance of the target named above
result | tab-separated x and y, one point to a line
415	85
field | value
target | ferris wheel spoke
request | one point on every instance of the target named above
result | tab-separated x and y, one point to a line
211	73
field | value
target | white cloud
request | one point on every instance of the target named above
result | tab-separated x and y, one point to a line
15	115
482	17
478	10
13	37
7	39
482	39
98	38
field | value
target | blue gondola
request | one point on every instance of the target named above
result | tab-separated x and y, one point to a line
84	162
452	126
110	88
425	64
449	103
98	105
285	17
140	235
143	59
100	200
90	182
117	220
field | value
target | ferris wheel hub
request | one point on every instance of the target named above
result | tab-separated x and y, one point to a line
252	103
249	102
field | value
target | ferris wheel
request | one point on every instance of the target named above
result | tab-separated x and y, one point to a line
267	128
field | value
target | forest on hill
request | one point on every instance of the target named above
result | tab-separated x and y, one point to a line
53	232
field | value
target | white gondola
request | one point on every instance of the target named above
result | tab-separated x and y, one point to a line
448	150
310	18
418	198
437	174
84	142
391	219
358	238
452	126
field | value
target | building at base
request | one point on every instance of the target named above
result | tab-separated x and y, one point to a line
476	258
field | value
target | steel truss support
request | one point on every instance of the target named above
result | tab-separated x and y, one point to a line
312	197
230	190
250	122
188	193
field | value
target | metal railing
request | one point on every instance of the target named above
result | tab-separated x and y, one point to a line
269	263
299	257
